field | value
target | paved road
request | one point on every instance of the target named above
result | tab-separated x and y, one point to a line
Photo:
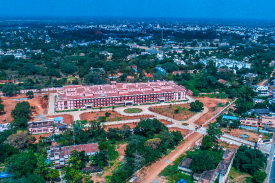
51	106
270	170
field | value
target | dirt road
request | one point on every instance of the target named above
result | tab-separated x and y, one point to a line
152	172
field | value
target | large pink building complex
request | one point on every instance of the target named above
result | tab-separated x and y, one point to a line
78	96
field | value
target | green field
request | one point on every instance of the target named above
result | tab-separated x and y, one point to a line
133	110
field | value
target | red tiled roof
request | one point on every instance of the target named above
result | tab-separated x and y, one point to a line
7	81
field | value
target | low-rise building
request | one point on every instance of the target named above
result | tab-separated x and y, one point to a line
61	155
220	174
262	91
250	122
184	166
48	126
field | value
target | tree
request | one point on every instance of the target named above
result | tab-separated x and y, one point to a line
259	176
72	172
78	159
107	114
201	162
207	143
19	140
113	108
177	136
102	119
19	123
29	94
249	160
22	164
196	106
235	124
149	127
100	158
139	161
241	108
10	89
153	143
2	108
21	110
46	97
214	131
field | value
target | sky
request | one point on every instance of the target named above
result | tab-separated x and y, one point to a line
218	9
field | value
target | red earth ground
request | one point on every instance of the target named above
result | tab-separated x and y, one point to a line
169	111
212	105
37	101
89	116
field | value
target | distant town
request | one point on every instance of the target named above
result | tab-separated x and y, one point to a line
136	101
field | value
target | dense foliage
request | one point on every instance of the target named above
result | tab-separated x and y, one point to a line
249	160
150	142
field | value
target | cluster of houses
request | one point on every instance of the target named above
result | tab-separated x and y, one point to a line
60	155
220	174
229	63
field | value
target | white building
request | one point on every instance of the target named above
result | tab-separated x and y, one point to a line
262	91
226	63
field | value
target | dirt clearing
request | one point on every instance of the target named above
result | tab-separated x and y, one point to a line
37	101
214	106
66	117
253	136
178	112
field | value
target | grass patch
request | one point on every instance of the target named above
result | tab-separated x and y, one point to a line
215	95
184	124
172	174
237	176
133	110
267	136
67	110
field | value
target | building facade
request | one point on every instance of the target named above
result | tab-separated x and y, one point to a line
47	126
61	155
78	96
262	91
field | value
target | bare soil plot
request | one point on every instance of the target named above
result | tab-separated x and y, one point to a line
253	136
40	135
37	101
178	112
113	117
214	105
66	117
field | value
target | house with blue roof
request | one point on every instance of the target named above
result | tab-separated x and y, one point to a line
161	71
230	117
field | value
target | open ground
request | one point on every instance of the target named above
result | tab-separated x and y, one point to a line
252	136
113	117
213	105
38	101
178	112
